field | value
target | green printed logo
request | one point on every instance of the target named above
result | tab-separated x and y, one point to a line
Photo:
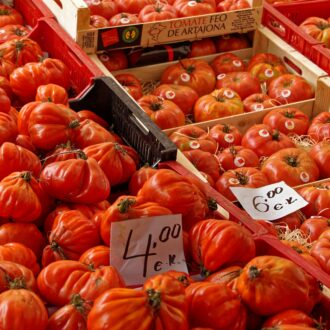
130	34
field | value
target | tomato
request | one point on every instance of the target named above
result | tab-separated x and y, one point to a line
139	177
24	117
117	161
12	31
27	234
228	5
9	15
19	254
52	93
76	180
72	234
160	301
133	6
214	305
22	189
193	137
58	281
215	244
202	47
6	68
114	60
230	42
96	256
196	74
225	276
292	221
265	141
321	250
57	72
226	63
105	8
318	28
157	12
165	113
131	84
8	128
292	165
14	158
188	8
183	96
87	114
266	66
289	88
318	198
258	101
62	152
313	227
123	19
320	153
220	103
5	103
204	161
182	277
25	142
71	316
291	316
98	22
270	284
248	177
237	156
225	135
176	193
287	120
5	85
319	128
50	124
21	51
243	83
22	309
128	207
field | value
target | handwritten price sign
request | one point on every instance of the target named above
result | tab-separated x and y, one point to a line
148	246
269	202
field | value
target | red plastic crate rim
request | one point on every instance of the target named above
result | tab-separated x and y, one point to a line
260	233
58	44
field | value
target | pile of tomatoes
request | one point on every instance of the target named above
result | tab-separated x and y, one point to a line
106	13
225	87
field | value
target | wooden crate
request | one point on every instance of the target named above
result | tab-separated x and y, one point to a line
74	16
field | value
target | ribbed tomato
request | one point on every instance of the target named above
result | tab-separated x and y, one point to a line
6	67
157	12
132	6
9	15
131	84
226	135
258	101
52	93
139	177
96	256
313	227
188	8
321	250
226	63
87	114
105	8
225	276
320	153
8	128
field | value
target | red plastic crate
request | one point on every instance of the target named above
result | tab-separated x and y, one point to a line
284	20
57	43
321	56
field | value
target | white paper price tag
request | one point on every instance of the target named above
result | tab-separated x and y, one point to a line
144	247
269	202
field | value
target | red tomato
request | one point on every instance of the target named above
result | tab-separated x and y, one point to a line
319	128
220	103
258	101
105	8
114	60
6	68
243	83
225	276
138	178
157	12
188	8
232	42
318	28
248	177
131	84
228	5
87	114
313	227
202	48
226	63
52	93
123	19
133	6
10	16
98	22
196	74
320	152
237	156
292	165
193	137
5	103
292	220
225	135
289	88
321	250
8	131
287	120
96	256
13	31
183	96
264	140
165	113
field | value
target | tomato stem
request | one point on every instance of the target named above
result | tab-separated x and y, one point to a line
155	106
289	114
17	283
212	204
26	176
74	124
78	303
254	272
276	135
56	248
125	204
243	179
292	161
184	280
154	299
226	128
